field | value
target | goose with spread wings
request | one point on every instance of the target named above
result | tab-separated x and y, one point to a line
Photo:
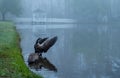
42	45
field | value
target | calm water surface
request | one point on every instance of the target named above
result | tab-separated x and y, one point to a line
82	50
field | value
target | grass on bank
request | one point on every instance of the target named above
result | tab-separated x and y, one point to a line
11	61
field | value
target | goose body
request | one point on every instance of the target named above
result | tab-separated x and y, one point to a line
35	60
42	45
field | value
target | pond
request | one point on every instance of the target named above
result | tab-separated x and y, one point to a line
81	51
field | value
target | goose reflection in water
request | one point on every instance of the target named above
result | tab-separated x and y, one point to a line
36	60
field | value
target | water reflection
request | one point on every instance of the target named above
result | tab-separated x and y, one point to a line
35	61
86	51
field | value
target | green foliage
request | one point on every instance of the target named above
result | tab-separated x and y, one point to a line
11	61
10	6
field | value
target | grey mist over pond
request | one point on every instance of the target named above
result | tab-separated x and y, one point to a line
88	36
55	54
82	50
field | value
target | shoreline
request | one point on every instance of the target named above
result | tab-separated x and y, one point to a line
12	64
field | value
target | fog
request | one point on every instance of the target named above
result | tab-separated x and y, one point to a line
88	36
51	8
84	11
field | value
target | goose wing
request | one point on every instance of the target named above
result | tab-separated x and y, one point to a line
49	43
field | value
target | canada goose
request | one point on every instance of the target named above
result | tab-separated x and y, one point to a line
37	46
35	60
42	45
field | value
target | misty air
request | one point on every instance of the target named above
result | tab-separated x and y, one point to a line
59	39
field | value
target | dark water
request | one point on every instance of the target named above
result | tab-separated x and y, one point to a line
82	50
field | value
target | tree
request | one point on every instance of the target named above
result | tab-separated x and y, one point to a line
91	10
9	6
